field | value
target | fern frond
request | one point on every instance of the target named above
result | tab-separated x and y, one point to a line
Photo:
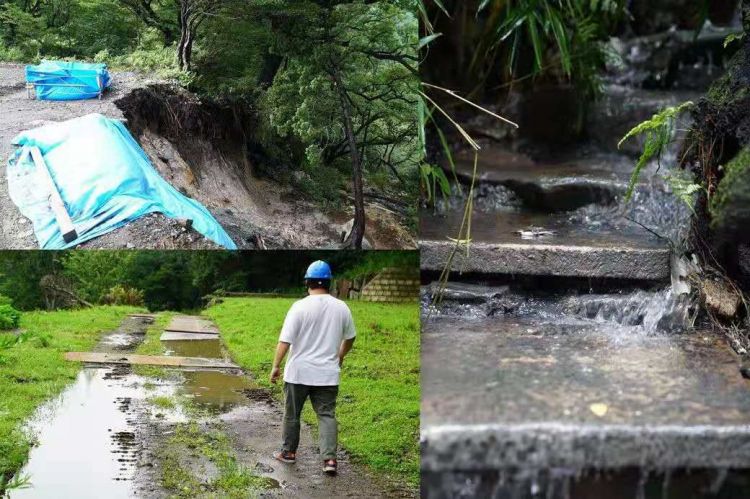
658	132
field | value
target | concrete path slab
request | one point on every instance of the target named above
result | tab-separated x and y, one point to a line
503	393
151	360
177	336
191	324
498	247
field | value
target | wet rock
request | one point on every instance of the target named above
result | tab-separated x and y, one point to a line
621	108
671	59
720	299
650	17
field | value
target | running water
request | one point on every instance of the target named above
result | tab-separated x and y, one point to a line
637	311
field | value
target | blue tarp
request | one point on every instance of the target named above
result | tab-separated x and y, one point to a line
60	80
104	178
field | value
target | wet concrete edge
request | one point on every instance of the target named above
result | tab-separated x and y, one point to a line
550	445
567	261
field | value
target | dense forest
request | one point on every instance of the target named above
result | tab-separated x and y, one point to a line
330	86
169	280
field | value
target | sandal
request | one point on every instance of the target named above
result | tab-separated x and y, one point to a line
329	466
285	456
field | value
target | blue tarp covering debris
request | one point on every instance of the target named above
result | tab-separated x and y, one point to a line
60	80
104	178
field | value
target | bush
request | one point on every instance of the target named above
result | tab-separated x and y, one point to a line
9	317
122	295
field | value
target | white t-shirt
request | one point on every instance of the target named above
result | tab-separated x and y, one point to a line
315	327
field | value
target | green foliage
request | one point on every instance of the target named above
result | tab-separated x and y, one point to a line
729	207
233	481
20	273
375	261
378	405
658	132
123	295
18	482
95	273
558	40
371	48
733	37
9	317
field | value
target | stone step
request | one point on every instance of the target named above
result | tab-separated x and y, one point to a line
572	251
512	394
552	185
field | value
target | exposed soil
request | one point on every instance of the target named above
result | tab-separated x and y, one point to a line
205	157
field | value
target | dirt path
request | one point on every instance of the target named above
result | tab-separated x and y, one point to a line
257	213
120	431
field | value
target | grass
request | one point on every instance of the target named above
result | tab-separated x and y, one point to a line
35	371
151	345
205	444
378	406
163	402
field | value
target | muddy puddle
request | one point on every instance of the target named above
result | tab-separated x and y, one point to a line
215	391
87	437
91	438
194	348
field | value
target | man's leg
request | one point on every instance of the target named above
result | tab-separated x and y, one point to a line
323	400
294	400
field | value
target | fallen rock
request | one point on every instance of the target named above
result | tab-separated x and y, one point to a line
720	299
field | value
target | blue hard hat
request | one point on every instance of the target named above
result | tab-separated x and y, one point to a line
318	270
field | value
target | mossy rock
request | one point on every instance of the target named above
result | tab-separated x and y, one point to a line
730	204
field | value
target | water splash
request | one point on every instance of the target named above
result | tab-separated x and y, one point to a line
650	311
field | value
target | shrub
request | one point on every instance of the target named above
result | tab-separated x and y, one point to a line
9	317
123	295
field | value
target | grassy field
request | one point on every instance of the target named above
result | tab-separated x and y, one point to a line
378	408
34	371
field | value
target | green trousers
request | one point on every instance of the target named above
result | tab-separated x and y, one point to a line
323	399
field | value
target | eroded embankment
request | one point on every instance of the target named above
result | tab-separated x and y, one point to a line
208	151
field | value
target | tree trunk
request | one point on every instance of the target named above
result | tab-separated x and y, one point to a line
271	66
185	35
187	51
358	229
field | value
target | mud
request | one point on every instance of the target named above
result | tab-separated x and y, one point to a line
208	166
103	436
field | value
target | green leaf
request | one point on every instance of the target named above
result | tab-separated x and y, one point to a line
732	37
426	40
658	133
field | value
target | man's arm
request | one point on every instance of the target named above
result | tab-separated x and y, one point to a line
346	345
281	349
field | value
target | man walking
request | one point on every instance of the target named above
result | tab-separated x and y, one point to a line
319	329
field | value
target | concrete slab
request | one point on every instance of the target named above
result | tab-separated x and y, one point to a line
151	360
504	394
571	251
177	336
191	324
